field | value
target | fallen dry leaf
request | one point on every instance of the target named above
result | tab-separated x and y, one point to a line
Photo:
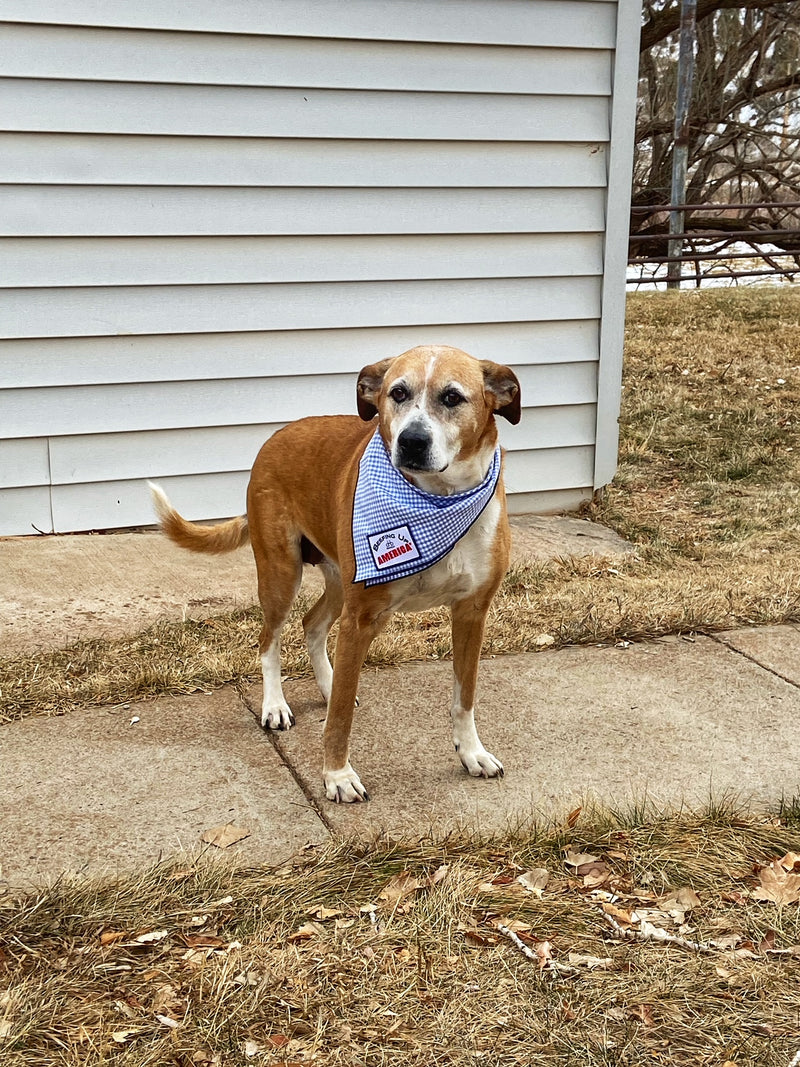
625	918
326	913
573	817
121	1036
474	938
544	950
678	902
767	943
594	874
644	1013
779	883
205	1058
151	936
207	940
516	925
165	1020
544	641
535	880
438	875
307	932
196	957
167	999
592	963
402	885
110	937
224	836
577	859
591	869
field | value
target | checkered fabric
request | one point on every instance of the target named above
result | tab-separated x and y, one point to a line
398	529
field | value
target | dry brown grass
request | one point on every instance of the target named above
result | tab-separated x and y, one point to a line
710	451
708	489
421	980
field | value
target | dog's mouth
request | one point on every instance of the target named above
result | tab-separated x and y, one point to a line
421	468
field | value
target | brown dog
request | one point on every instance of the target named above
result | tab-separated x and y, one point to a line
436	408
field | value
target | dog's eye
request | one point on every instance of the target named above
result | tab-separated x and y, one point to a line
451	398
399	394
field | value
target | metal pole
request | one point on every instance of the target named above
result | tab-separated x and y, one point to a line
680	148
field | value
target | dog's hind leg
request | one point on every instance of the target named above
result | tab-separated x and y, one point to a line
278	581
317	625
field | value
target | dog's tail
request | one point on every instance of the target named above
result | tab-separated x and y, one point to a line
222	537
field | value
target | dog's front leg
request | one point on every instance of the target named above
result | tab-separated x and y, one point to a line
469	619
356	632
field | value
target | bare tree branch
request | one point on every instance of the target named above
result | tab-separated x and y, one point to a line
661	24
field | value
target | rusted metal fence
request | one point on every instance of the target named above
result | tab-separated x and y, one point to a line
715	253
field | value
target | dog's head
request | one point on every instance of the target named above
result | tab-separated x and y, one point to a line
437	406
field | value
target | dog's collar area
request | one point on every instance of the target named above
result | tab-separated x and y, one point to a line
400	529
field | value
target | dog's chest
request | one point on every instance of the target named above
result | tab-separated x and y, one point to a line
463	570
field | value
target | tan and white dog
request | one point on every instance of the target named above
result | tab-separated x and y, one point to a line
435	408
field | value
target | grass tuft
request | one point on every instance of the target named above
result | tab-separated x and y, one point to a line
320	962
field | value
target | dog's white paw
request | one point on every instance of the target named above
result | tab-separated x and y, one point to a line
344	786
478	762
277	717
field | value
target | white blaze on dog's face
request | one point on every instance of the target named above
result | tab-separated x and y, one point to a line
437	407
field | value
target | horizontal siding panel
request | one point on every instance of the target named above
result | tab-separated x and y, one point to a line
515	22
99	159
24	462
106	505
31	363
25	511
549	468
63	261
550	502
111	107
156	454
165	405
559	426
64	211
176	309
164	453
32	51
99	505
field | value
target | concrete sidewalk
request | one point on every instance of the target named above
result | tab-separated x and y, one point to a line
108	789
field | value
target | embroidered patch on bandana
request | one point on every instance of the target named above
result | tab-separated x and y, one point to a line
399	529
392	547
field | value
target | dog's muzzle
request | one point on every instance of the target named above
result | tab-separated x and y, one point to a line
414	449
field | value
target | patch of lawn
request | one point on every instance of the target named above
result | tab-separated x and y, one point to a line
708	490
399	952
709	463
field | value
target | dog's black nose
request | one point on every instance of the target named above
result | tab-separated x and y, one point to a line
413	445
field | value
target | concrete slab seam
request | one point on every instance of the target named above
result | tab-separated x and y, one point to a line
297	777
753	660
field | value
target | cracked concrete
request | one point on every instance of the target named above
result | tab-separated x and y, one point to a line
111	789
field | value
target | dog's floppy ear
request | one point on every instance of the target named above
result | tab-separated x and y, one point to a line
370	381
502	385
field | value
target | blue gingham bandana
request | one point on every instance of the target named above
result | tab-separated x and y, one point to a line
398	529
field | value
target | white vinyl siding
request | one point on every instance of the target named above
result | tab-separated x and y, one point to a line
214	214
